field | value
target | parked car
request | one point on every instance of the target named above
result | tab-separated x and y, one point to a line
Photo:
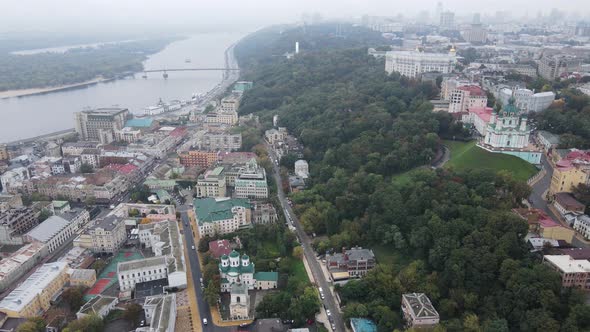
328	312
193	247
204	321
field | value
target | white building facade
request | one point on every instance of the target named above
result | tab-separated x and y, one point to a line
412	63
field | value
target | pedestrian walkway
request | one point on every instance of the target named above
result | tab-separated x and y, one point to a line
190	289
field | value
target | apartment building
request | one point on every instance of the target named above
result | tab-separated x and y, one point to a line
230	103
264	213
9	201
220	142
229	118
76	148
160	313
107	234
527	100
196	158
34	295
582	225
15	222
356	261
553	66
100	123
211	183
575	273
251	182
413	63
52	232
466	97
569	172
222	216
18	263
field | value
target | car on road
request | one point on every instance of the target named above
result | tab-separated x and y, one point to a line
204	321
328	312
333	327
193	247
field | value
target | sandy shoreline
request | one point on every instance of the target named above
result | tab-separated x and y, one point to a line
35	91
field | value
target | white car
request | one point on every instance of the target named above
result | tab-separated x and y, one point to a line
193	247
328	312
204	321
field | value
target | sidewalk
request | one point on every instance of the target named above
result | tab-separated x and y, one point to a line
192	295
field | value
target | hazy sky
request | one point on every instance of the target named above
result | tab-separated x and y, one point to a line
18	15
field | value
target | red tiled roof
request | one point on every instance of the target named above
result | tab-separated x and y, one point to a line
125	169
569	202
473	90
219	248
178	132
484	113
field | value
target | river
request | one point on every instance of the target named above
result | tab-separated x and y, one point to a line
42	114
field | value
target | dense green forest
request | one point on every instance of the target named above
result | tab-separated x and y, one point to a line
568	117
74	66
446	233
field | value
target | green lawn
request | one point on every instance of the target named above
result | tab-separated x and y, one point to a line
299	272
467	155
390	256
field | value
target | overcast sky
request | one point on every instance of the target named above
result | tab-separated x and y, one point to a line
19	15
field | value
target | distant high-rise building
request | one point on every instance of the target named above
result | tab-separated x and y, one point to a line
413	63
476	34
100	123
476	18
447	20
553	66
439	10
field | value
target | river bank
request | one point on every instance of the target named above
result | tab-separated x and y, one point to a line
43	113
38	91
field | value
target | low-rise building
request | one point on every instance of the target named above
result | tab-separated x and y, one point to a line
220	142
569	172
78	217
302	169
155	184
137	271
566	203
544	226
211	183
251	182
195	158
356	261
20	262
574	272
12	180
582	225
222	216
479	117
160	313
52	232
413	63
15	222
10	201
526	99
266	280
548	140
34	295
83	277
239	305
165	240
99	306
264	213
418	311
76	148
107	234
275	135
218	248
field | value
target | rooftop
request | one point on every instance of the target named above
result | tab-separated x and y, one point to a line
142	263
33	285
162	306
550	137
211	209
568	201
82	274
139	123
19	257
217	248
95	304
266	276
484	113
420	305
567	264
473	90
49	228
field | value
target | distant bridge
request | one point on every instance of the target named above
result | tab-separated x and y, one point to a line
188	69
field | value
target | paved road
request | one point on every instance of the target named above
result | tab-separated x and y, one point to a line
193	258
316	270
540	187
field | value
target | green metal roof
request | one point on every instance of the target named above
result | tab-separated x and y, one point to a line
217	171
209	209
139	123
234	254
266	276
510	108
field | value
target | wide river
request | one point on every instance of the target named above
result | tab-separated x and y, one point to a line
36	115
